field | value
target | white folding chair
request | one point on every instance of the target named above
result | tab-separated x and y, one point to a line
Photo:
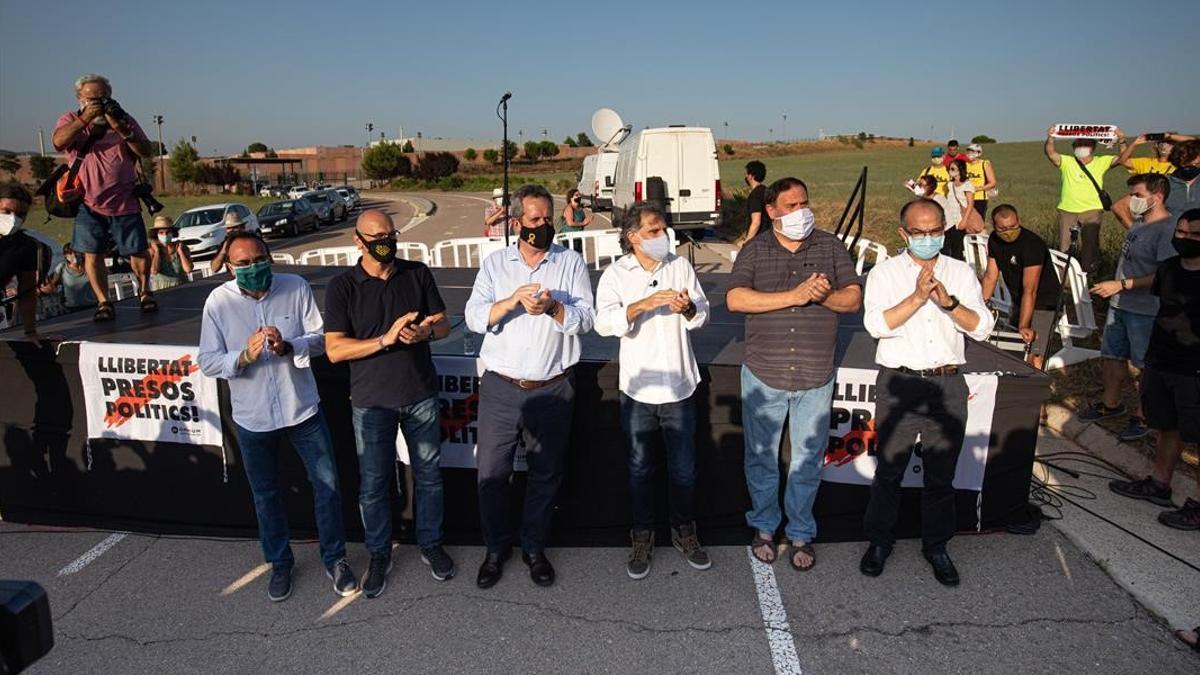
975	252
1078	320
866	250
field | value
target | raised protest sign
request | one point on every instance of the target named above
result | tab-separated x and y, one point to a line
850	456
1106	133
148	393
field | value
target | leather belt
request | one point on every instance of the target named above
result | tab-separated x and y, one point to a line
940	371
529	385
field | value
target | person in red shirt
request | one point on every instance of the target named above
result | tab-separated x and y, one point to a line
110	214
952	154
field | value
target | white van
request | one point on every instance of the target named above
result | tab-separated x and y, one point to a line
587	180
685	159
602	192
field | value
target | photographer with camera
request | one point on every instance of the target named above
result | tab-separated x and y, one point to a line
110	213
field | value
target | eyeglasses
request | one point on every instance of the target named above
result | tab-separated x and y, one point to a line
376	237
923	233
252	261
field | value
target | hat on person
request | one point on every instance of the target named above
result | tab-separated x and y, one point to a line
975	147
497	192
937	151
162	223
232	219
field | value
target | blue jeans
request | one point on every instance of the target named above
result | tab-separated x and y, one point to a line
94	233
763	412
260	458
1126	336
647	427
375	434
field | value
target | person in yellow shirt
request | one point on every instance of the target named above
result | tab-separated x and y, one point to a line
1079	205
982	176
936	169
1158	163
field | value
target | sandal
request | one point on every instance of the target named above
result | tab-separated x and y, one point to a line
149	305
1194	643
104	312
807	550
764	546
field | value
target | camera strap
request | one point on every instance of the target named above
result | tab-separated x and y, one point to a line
83	151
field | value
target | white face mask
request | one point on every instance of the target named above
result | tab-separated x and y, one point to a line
9	223
973	156
657	248
935	161
1083	152
1138	205
918	190
798	224
166	237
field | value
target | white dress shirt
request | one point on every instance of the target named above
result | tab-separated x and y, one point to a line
274	392
657	361
930	338
520	345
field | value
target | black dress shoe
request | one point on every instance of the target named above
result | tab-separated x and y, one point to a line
491	570
943	568
874	559
540	569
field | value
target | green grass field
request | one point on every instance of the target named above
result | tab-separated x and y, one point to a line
1026	179
60	228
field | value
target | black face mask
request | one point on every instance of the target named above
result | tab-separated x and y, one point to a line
538	237
382	250
1187	173
1186	248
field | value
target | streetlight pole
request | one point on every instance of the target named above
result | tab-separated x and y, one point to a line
726	130
162	174
784	127
370	127
42	141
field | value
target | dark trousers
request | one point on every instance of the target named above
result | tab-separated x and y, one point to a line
539	420
671	426
935	408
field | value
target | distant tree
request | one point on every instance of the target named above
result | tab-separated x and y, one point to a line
870	137
182	163
385	162
408	147
548	149
862	136
982	138
513	150
42	167
469	154
10	163
217	174
910	141
583	140
728	149
436	165
491	155
570	142
271	153
533	149
257	146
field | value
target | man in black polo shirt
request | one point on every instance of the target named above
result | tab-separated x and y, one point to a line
792	282
18	257
1171	380
380	316
1022	259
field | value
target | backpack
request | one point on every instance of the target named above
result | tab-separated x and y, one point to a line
63	190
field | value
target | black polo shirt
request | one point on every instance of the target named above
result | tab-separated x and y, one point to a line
365	307
1028	250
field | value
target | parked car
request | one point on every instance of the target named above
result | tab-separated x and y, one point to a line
683	161
202	229
324	205
296	191
264	191
351	198
340	210
290	217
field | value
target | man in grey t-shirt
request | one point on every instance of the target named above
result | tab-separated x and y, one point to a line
1131	306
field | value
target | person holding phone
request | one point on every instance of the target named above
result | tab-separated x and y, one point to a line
381	316
574	217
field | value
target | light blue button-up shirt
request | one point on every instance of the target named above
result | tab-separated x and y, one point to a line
520	345
276	391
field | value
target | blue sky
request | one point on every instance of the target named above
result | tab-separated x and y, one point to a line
305	73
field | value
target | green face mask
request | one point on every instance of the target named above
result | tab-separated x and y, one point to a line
255	277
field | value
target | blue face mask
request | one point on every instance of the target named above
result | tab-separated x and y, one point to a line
926	247
255	277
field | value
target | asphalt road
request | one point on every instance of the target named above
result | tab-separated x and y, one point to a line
148	604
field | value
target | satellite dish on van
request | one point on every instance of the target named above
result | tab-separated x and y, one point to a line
608	127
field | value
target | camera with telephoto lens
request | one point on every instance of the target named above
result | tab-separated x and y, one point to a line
145	193
112	108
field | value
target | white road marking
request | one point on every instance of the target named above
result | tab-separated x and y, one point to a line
779	635
95	552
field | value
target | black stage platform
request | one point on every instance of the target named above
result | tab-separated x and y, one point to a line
175	488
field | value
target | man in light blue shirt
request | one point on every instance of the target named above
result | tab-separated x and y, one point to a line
532	301
259	332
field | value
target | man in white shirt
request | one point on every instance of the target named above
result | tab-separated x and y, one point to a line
650	298
919	305
259	332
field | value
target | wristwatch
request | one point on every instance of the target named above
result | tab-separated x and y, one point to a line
953	304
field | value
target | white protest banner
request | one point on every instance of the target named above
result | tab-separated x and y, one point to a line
458	399
1105	133
850	456
148	393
